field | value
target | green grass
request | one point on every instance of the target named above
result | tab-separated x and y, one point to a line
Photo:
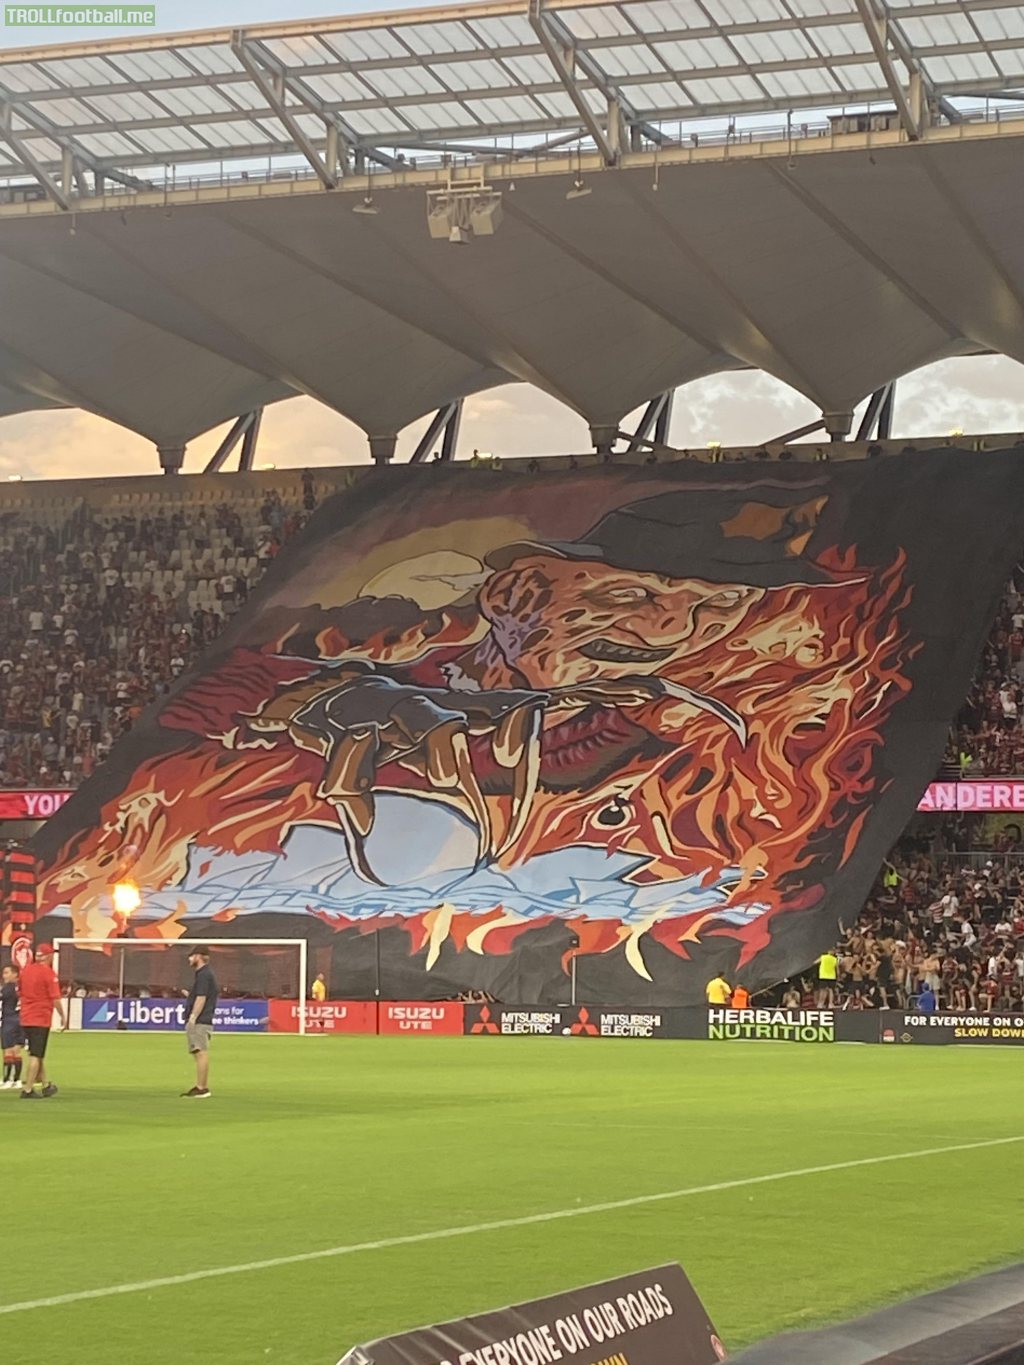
313	1143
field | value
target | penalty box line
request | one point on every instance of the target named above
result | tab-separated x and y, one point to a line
498	1225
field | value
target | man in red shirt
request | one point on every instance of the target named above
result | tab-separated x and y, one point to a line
40	996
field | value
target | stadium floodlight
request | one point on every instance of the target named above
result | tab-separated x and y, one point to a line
438	221
579	190
485	214
366	206
464	209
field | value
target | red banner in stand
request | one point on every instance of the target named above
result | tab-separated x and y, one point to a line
401	1016
32	804
325	1016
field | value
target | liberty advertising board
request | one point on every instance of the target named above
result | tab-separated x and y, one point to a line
142	1014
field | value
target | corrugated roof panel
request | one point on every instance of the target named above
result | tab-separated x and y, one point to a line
150	66
534	70
509	32
80	72
629	61
1011	62
135	105
995	24
338	86
695	53
392	82
482	75
845	40
814	9
606	21
213	60
861	77
939	30
504	110
24	76
662	17
69	113
964	66
724	89
653	96
749	11
793	84
378	121
372	44
434	40
185	100
445	114
779	45
108	144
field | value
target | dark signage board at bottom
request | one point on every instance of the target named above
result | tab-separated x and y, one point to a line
998	1029
651	1318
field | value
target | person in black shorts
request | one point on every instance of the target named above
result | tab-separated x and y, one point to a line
12	1035
199	1010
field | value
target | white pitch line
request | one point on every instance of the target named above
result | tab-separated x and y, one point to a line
499	1225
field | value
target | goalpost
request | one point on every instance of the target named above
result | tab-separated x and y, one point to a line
260	969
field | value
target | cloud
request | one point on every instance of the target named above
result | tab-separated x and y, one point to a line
976	394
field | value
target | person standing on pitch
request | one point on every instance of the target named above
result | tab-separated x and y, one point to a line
12	1036
40	996
199	1008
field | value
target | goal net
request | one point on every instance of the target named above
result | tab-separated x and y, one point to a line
151	976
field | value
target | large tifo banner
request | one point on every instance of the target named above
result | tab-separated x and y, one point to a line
488	730
652	1318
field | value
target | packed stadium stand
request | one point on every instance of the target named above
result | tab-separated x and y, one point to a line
941	918
108	595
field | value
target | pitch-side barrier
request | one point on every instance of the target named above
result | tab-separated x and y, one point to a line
708	1023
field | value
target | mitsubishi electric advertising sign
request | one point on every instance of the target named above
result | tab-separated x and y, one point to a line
230	1016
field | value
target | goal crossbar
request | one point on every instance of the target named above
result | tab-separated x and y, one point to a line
122	946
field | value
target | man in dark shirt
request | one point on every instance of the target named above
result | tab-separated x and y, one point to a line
11	1034
199	1008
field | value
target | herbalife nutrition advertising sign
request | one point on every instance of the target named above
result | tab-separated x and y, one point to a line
654	1318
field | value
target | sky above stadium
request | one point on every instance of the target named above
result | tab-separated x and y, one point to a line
972	395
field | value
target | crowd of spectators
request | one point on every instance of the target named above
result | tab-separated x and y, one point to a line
942	929
987	739
101	611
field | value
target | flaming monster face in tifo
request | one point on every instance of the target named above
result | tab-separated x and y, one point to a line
555	622
559	625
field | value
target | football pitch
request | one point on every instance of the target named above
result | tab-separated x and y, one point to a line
797	1184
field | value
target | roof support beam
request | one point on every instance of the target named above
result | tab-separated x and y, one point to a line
275	82
29	160
563	58
876	26
73	156
444	423
273	86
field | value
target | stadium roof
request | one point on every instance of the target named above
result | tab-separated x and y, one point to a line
493	71
709	236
